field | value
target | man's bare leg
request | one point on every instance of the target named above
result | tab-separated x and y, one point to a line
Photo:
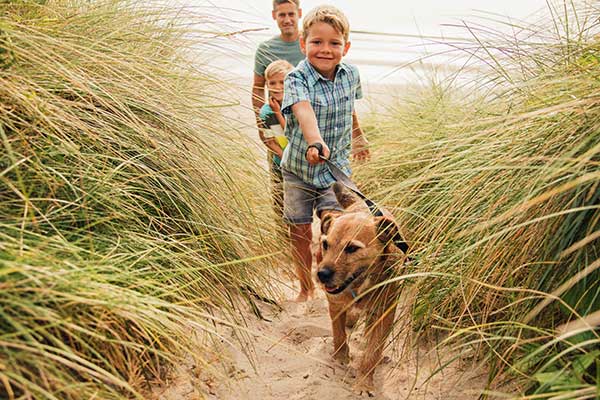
301	237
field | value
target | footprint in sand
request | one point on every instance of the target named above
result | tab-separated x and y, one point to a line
302	333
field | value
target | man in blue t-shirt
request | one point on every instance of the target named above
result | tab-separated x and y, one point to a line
285	46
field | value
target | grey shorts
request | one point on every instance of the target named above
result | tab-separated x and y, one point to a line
300	200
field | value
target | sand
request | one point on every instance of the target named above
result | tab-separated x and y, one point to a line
288	356
290	359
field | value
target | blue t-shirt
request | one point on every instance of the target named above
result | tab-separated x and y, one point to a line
273	130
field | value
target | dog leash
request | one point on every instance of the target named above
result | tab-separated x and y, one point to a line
345	180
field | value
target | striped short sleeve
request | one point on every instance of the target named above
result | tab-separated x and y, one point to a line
295	89
359	93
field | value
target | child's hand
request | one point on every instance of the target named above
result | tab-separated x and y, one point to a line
275	106
312	154
279	151
360	149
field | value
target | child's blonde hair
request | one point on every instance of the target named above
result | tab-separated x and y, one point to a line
329	15
278	66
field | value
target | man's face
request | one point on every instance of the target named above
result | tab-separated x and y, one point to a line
287	15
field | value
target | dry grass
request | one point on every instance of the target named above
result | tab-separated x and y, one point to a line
496	184
130	208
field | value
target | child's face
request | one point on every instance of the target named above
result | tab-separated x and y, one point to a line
275	85
324	47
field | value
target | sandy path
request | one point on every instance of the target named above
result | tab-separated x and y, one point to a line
291	360
288	357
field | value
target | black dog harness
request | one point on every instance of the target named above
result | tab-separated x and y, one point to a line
342	178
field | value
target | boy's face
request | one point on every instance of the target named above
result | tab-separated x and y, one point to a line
287	15
324	48
275	85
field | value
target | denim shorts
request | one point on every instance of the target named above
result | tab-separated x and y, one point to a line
300	199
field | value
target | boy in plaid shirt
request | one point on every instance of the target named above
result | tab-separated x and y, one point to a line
318	99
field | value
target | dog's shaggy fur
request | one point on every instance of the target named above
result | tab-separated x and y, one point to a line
358	254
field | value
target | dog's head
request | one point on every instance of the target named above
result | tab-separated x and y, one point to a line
353	244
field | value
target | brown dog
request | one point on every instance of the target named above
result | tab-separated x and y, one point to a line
357	254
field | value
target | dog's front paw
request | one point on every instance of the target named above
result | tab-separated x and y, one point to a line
364	386
364	389
342	355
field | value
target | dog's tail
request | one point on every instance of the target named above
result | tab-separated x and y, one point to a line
345	197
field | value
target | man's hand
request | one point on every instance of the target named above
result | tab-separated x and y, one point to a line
360	148
312	154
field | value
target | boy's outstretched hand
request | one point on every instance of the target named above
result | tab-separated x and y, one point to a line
312	154
360	149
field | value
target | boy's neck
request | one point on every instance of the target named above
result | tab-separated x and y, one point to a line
326	76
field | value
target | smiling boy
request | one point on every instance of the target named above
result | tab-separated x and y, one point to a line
274	124
319	99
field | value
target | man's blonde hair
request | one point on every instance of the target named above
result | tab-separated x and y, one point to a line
278	2
278	66
329	15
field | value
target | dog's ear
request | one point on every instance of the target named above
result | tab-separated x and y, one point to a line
326	223
387	230
343	196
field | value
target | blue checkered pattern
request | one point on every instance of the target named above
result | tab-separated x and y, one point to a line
333	103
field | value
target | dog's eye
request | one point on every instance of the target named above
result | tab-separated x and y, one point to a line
351	249
325	245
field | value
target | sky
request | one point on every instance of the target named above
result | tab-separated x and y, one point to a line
412	21
394	16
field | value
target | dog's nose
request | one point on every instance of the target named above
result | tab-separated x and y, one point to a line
325	274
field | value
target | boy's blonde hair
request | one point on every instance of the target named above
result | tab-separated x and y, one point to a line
329	15
278	66
278	2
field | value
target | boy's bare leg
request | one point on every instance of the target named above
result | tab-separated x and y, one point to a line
301	237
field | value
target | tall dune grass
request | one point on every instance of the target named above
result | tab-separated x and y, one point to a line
130	209
496	184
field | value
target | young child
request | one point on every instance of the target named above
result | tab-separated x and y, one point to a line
319	99
273	126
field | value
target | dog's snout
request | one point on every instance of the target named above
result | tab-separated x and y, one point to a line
325	274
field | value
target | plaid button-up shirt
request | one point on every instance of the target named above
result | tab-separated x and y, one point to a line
333	104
